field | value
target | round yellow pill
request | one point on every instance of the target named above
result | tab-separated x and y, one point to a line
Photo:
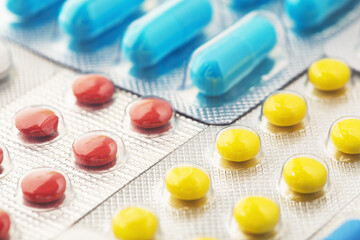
187	183
284	109
345	136
238	145
305	175
329	74
256	215
135	223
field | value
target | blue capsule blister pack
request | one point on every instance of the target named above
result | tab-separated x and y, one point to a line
160	54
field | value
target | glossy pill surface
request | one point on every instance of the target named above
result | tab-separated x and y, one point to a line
329	74
345	135
187	183
36	121
307	14
150	112
93	89
224	61
135	223
1	155
167	27
86	19
5	223
348	230
95	150
305	175
28	8
284	109
238	145
43	186
256	215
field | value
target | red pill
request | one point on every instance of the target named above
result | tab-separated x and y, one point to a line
1	155
43	186
93	89
5	223
151	112
36	122
95	150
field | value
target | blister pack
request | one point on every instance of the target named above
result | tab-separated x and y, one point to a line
29	156
173	77
264	170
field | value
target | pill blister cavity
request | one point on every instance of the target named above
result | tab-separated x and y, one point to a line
150	116
255	217
6	164
343	141
44	189
38	125
187	187
284	112
5	61
99	152
236	148
304	177
135	223
329	78
214	68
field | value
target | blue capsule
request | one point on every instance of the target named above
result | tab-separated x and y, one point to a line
86	19
245	3
152	37
28	8
347	231
225	60
307	14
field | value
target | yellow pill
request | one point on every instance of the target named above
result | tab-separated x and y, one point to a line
284	109
256	215
238	145
305	175
329	74
345	135
135	223
187	183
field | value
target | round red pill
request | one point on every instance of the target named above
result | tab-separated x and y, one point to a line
36	121
1	155
93	89
5	223
43	186
95	150
151	112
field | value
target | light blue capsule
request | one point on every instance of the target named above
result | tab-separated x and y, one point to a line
170	25
28	8
245	3
350	230
225	60
86	19
307	14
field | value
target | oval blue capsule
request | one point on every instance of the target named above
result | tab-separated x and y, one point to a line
225	60
28	8
152	37
307	14
86	19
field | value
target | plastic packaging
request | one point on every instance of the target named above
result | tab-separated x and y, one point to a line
5	61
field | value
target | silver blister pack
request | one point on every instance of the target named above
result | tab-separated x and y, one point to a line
300	219
169	78
89	189
23	65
